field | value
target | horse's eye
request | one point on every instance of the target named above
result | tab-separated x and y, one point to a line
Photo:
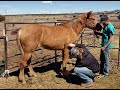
92	18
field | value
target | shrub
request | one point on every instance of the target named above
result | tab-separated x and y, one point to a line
2	18
116	25
118	17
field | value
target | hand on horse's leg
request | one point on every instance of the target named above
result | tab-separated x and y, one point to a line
65	61
65	72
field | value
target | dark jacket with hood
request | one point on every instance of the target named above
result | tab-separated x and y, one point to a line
88	60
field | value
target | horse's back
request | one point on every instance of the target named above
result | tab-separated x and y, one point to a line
53	37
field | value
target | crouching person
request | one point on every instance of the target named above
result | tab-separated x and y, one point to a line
86	65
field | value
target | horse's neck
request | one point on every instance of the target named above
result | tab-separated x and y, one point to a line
77	24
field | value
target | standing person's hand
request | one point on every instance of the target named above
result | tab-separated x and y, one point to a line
103	48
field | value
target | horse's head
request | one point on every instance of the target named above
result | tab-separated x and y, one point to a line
91	20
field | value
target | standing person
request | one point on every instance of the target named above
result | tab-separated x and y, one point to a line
107	39
86	65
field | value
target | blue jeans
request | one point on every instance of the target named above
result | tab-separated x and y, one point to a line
104	61
84	73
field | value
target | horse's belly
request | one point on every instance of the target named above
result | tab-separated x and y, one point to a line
52	46
53	41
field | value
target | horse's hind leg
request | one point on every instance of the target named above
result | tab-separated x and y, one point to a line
32	73
23	63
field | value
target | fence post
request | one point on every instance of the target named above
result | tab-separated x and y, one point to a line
6	72
13	26
5	47
55	50
94	40
119	51
2	62
81	38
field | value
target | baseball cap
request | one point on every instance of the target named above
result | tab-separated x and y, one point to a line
73	52
104	18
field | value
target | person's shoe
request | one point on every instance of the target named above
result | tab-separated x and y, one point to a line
88	84
101	76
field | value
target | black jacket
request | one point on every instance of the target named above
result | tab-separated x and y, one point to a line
88	60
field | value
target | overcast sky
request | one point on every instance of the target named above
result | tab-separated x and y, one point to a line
48	7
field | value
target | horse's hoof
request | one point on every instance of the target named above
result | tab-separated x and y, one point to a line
33	74
23	82
19	79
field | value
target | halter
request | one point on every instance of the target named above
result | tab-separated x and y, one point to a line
84	24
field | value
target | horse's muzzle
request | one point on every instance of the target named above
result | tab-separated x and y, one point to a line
98	27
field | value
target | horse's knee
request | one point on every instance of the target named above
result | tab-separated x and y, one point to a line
22	64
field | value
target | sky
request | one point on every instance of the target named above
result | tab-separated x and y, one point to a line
56	7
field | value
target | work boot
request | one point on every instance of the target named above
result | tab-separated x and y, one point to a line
88	84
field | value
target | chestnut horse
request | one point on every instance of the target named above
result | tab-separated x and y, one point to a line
52	38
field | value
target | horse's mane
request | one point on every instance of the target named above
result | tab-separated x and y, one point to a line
69	21
73	22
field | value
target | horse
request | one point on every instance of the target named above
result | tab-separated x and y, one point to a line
29	37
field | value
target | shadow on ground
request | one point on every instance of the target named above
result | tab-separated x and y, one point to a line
72	78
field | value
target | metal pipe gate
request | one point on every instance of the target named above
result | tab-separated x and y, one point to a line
6	39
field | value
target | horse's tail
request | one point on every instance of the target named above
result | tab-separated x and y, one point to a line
19	42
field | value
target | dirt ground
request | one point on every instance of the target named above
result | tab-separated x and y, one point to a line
48	75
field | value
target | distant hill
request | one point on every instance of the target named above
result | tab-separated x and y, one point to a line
117	11
110	12
114	11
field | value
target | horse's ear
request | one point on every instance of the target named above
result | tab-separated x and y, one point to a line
89	14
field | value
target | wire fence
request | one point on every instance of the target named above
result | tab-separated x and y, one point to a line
90	40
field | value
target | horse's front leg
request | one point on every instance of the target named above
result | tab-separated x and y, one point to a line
65	53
